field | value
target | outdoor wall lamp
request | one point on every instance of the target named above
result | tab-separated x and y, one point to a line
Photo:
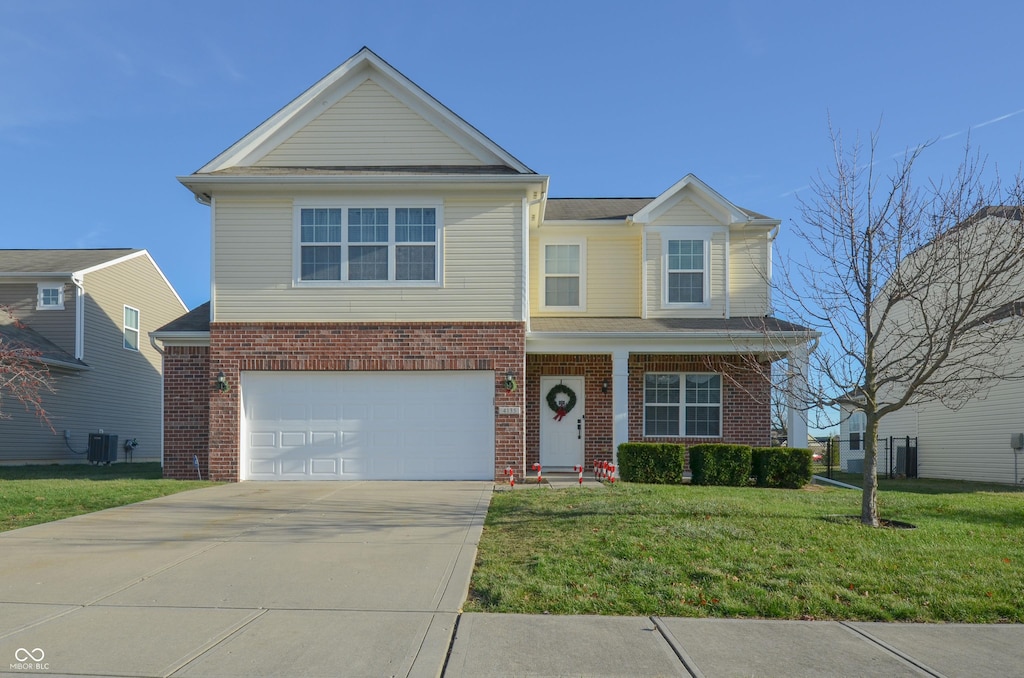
222	383
604	386
510	381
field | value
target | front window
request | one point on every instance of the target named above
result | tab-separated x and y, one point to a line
685	272
50	297
562	274
131	328
376	245
687	403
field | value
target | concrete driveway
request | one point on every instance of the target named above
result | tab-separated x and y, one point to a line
250	579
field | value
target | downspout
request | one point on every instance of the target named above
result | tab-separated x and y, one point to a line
162	352
771	239
79	316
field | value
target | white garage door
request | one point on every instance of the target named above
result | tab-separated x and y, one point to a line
368	425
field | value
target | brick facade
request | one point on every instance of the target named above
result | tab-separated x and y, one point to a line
595	369
187	388
746	396
237	347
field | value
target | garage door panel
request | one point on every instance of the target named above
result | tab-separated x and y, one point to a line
363	425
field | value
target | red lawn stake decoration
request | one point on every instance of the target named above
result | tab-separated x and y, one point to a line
511	476
537	467
611	473
579	469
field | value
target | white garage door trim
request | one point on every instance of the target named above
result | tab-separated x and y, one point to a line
367	425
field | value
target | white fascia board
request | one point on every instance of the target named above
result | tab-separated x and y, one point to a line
713	201
20	276
182	338
60	364
196	183
703	342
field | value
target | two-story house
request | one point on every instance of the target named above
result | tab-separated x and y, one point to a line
85	314
395	296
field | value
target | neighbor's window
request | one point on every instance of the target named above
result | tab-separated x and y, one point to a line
563	278
50	297
378	245
858	425
131	328
691	403
685	272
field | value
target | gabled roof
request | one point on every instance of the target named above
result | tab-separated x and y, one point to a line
332	88
19	335
708	198
62	263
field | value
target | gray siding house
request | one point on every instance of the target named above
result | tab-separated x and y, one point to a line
87	313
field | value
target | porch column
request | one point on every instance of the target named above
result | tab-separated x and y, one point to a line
796	425
620	401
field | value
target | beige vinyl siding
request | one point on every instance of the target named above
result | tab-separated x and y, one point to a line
482	267
121	393
716	306
612	270
369	126
748	284
56	325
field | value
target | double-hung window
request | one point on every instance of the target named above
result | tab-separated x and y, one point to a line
858	425
372	244
685	272
562	276
131	328
687	405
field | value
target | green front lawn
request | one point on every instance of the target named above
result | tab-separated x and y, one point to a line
39	494
748	552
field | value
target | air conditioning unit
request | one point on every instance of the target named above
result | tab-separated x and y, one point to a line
102	448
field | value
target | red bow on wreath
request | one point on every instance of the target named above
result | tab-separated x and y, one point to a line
561	412
561	406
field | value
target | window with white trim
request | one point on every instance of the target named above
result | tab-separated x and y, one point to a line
50	297
131	328
687	405
376	245
686	272
858	425
563	276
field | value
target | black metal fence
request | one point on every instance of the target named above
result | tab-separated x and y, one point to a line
896	458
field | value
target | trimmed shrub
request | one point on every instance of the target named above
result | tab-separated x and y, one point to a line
787	467
657	463
720	464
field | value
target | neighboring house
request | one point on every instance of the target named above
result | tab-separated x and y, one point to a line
395	296
970	443
87	313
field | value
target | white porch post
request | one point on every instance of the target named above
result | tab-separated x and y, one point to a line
620	401
796	425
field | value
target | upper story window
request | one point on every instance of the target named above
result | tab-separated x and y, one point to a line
687	403
686	272
131	328
376	245
50	297
563	276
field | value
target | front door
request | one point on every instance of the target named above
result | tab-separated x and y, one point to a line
562	425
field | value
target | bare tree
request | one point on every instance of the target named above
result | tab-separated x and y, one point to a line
23	377
916	290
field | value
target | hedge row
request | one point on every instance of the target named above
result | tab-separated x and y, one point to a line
715	464
658	463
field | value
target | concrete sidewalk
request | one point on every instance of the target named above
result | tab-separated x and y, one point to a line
250	579
631	647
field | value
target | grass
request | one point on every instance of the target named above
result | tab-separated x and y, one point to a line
747	552
30	495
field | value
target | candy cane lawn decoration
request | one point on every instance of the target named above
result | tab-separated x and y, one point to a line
579	469
537	467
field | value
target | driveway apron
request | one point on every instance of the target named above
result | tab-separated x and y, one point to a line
249	579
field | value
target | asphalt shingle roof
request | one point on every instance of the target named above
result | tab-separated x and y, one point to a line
57	261
196	320
666	325
17	334
586	209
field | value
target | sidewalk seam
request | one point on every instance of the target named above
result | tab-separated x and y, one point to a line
889	648
677	648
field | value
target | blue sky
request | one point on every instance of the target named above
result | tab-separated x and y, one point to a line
105	102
